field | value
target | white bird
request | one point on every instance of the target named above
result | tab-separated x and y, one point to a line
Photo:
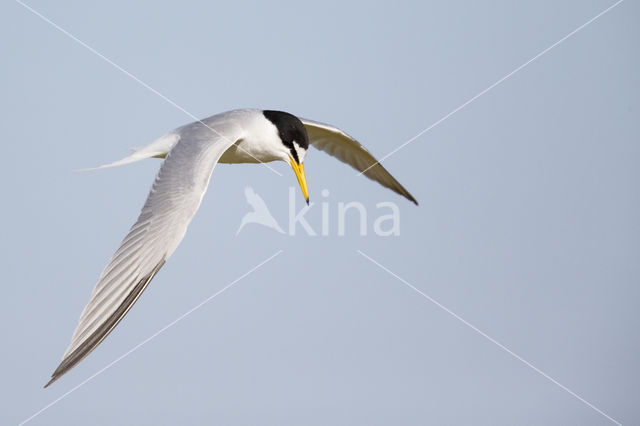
191	153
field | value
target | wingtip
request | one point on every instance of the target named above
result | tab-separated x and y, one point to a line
72	359
409	197
53	379
59	372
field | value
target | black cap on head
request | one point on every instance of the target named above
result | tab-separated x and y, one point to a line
290	129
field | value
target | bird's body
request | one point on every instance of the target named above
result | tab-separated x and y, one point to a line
191	153
232	125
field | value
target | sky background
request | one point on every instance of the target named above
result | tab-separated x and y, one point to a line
527	226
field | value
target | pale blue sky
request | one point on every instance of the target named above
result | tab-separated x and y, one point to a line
527	226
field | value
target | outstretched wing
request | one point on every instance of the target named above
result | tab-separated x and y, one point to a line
173	200
338	144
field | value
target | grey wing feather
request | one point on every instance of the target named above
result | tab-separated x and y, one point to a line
345	148
172	202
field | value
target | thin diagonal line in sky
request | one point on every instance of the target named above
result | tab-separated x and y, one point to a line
493	85
148	339
486	336
136	79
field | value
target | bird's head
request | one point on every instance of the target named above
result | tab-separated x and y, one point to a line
294	143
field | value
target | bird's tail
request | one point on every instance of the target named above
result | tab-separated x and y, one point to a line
156	149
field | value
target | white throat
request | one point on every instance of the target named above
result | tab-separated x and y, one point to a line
259	143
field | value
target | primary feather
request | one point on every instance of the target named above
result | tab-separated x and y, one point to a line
172	202
345	148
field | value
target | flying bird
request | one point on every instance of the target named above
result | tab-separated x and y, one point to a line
191	152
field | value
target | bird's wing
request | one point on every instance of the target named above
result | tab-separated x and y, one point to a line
173	200
338	144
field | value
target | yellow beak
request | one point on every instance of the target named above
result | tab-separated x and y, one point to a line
302	179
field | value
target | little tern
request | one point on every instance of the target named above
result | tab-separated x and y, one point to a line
191	152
